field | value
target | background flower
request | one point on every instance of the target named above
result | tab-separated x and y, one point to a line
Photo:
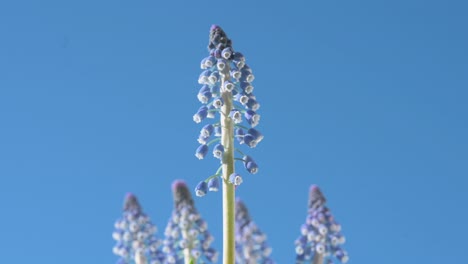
320	238
135	235
186	234
251	242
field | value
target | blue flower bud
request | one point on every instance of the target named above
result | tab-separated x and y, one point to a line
201	151
201	189
207	130
238	56
203	64
252	104
243	99
235	74
213	184
236	116
214	77
218	102
226	53
250	141
218	151
202	139
221	64
247	76
204	97
204	88
342	256
201	114
246	87
252	118
239	135
247	69
203	79
208	62
235	179
256	134
228	86
238	64
250	164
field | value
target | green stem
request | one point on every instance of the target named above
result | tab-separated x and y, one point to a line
187	255
227	140
318	259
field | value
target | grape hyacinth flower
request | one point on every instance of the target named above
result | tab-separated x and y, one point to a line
135	236
320	238
251	245
186	236
226	90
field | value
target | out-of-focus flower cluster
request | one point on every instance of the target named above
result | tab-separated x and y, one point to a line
320	235
186	234
135	236
251	242
226	76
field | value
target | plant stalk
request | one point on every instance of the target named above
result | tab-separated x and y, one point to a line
227	140
318	259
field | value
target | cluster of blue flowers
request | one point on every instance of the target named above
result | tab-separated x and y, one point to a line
226	78
251	244
320	235
186	234
135	236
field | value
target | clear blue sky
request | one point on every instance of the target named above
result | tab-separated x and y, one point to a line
367	99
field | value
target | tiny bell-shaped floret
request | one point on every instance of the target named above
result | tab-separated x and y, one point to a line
239	135
246	87
218	151
201	189
228	86
226	53
252	117
256	134
213	184
207	130
218	102
201	151
201	114
214	77
252	104
250	165
221	64
203	79
235	74
249	140
236	116
235	179
207	62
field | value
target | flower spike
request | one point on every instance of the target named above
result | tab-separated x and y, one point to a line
251	244
226	89
320	238
135	235
186	234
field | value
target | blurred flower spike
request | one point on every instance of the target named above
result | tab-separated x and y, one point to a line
251	244
135	236
320	239
186	235
226	89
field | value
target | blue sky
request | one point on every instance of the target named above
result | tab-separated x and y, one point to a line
367	99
